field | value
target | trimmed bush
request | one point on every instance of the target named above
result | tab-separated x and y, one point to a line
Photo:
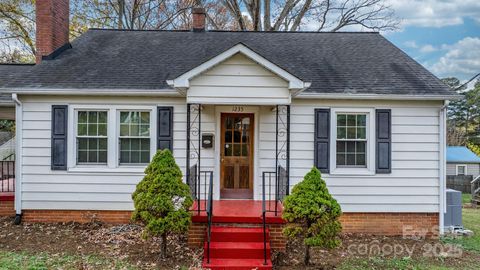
312	213
162	200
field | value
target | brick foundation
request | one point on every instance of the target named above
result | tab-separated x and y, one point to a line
391	224
7	208
196	234
81	216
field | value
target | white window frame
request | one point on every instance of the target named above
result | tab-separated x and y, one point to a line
118	137
370	148
113	131
461	165
75	132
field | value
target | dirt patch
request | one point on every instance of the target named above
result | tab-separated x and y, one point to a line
364	247
122	242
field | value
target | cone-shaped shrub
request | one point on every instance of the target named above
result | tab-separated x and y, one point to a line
312	213
162	200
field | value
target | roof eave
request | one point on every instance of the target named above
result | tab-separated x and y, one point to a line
94	92
376	96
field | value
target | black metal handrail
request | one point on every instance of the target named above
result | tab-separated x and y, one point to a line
7	176
209	214
264	217
199	184
279	180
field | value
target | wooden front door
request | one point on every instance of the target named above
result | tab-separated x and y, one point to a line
236	157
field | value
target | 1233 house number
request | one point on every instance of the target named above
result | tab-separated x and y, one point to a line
237	109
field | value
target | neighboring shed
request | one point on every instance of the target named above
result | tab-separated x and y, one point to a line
462	161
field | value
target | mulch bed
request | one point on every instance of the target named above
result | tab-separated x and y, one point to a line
125	242
122	242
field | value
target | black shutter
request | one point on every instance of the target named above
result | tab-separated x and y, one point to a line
59	137
383	140
165	128
322	140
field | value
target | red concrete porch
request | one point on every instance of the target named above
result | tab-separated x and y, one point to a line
238	211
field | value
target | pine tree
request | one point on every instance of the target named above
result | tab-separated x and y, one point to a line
162	200
311	212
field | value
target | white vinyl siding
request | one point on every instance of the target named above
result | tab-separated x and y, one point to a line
87	188
413	185
238	80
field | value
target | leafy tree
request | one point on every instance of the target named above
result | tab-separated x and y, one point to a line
313	213
162	200
464	114
474	148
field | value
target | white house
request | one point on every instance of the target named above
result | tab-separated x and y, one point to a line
242	107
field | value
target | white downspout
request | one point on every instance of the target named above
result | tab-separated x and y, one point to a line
442	165
18	156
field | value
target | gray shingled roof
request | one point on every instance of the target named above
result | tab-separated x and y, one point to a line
354	63
7	73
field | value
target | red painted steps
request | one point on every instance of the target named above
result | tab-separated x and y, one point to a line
237	248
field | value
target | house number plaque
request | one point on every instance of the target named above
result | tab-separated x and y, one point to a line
237	109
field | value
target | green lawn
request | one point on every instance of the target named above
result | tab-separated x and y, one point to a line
466	198
22	260
471	221
391	263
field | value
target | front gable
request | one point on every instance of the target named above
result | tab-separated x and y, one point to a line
238	76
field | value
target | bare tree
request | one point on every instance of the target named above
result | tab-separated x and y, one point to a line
455	136
317	15
17	31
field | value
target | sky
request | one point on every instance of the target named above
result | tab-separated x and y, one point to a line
442	35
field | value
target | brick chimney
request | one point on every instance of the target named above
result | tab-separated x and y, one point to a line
52	26
198	14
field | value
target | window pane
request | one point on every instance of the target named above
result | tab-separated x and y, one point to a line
350	147
124	130
341	147
82	157
92	156
228	149
360	159
351	159
361	133
341	159
82	144
124	117
144	130
134	130
102	117
92	129
82	129
351	133
341	120
82	117
351	120
361	120
102	130
92	150
341	133
134	150
145	118
145	157
92	117
135	145
102	144
361	147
